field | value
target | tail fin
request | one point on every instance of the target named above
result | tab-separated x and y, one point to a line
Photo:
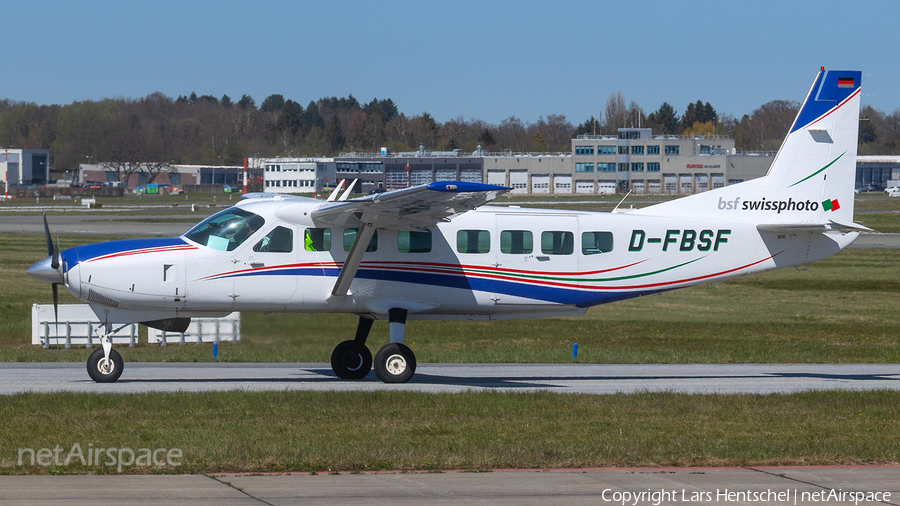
812	177
817	161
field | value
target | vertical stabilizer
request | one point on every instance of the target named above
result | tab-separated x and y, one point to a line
816	165
812	177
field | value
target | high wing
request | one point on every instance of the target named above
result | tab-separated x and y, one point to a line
415	207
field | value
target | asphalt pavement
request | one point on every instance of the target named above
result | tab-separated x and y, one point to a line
788	486
140	377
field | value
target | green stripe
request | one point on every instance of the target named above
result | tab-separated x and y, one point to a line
818	171
579	280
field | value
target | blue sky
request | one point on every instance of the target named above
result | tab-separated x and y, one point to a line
480	60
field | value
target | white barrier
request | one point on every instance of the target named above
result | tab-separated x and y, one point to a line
201	330
76	325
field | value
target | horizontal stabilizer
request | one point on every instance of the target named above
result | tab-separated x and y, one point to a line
793	228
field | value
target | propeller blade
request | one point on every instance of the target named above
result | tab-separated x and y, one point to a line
55	262
51	252
56	314
49	239
55	302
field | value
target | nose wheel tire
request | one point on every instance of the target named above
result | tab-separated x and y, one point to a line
395	363
350	360
103	371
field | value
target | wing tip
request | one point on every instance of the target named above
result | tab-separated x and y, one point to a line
462	186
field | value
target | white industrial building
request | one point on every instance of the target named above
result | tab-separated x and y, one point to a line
296	175
24	166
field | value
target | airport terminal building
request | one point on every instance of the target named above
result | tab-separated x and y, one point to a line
634	160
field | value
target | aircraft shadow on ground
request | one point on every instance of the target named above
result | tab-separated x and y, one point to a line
326	376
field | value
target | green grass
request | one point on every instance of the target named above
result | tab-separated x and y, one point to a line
356	431
886	223
843	309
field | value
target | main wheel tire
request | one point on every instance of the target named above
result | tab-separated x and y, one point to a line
395	363
102	371
351	361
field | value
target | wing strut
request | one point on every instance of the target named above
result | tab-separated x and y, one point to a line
354	258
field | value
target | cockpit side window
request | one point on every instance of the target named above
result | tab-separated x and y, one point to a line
279	240
226	230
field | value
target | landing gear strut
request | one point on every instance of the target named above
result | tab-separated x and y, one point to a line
105	365
394	362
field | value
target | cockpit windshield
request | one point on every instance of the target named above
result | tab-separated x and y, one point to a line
226	230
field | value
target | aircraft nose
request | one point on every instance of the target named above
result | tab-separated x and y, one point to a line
44	271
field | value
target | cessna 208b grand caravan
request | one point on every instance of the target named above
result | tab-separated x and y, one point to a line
426	252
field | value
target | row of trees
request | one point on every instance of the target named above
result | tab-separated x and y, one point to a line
208	130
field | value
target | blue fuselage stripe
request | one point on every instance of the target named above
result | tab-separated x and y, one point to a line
567	296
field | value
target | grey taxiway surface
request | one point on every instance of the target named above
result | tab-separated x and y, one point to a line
562	378
760	485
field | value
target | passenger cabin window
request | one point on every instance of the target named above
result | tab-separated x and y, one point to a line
593	243
473	241
350	236
557	243
414	241
226	230
317	239
279	240
516	242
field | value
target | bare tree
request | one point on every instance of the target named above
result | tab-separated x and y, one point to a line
616	113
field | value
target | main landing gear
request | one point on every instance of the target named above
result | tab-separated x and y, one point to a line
394	362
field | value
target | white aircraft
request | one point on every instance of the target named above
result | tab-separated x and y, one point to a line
426	252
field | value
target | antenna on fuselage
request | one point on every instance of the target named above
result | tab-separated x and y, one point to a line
623	200
335	192
349	189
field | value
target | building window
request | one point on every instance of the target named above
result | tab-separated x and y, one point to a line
637	150
473	241
652	166
705	150
584	150
413	241
516	242
623	167
630	134
637	167
606	150
593	243
672	150
623	150
584	167
606	167
557	243
653	150
317	239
